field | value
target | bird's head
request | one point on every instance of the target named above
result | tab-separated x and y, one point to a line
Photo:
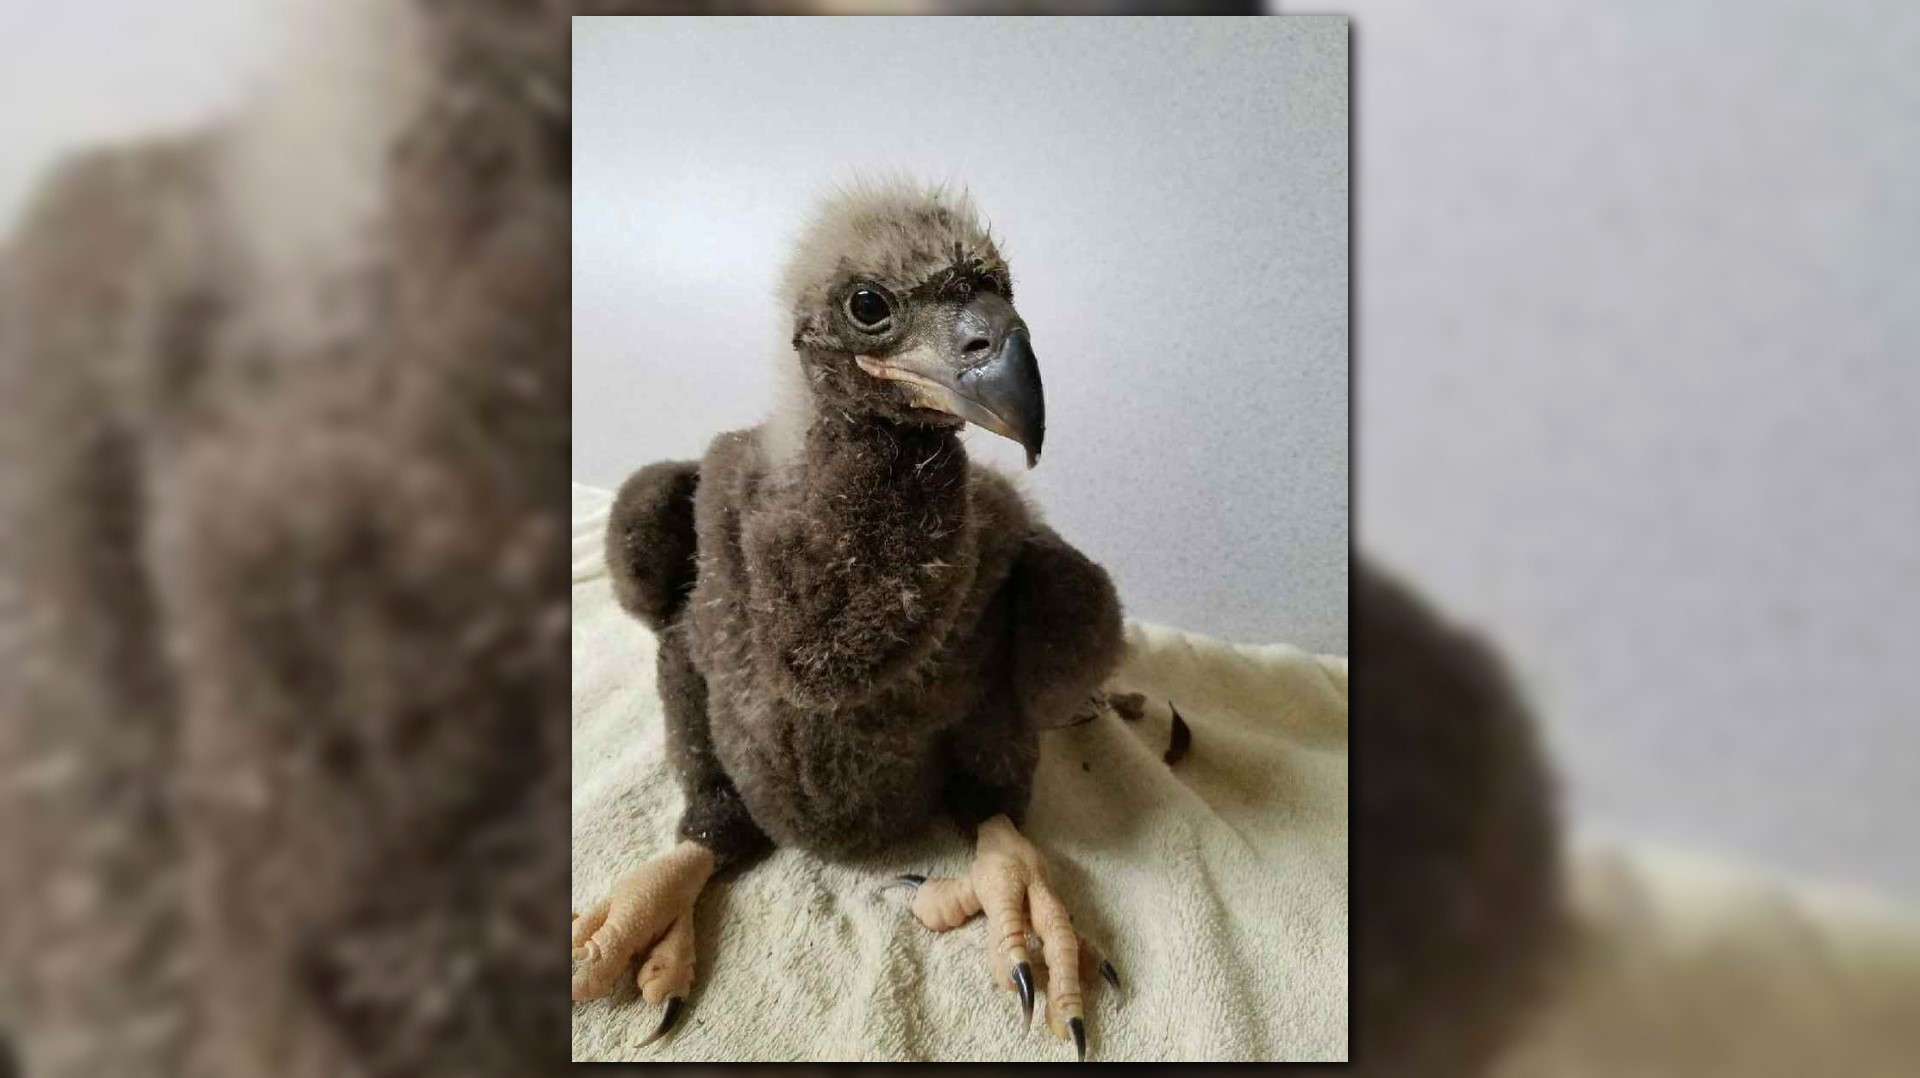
903	308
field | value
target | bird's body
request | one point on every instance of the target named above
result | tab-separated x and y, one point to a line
858	628
910	641
854	622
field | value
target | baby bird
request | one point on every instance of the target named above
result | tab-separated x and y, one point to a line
858	630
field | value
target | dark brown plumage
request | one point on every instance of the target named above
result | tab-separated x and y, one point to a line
858	627
1457	882
283	619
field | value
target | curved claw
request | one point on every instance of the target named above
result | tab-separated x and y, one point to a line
1023	979
1109	974
675	1004
911	879
1078	1027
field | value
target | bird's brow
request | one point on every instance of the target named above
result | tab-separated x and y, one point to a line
961	279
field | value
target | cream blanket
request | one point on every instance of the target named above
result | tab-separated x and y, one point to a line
1692	967
1218	886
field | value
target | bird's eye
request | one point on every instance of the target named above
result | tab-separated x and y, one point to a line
868	308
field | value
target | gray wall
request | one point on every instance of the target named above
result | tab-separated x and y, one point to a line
1174	204
1639	390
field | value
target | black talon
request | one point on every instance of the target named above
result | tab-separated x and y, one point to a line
912	880
1109	974
1023	979
1078	1027
675	1004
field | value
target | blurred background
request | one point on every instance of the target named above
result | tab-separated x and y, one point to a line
1636	369
1172	198
1638	389
79	75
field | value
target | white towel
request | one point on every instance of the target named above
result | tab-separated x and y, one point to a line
1691	966
1218	886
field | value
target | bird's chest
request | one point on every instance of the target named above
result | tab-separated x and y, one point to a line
846	782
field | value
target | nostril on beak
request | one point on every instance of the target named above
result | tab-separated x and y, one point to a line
977	344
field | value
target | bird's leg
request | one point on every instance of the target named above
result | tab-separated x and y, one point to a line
647	915
1009	883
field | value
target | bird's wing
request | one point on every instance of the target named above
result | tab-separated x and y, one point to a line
1067	626
651	542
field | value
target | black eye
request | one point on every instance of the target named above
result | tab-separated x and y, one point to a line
868	308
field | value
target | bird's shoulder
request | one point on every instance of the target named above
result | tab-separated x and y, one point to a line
1002	512
733	463
108	240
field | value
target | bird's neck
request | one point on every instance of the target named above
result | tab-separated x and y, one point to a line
862	556
871	505
877	472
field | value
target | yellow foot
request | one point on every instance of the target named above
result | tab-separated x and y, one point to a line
648	915
1009	883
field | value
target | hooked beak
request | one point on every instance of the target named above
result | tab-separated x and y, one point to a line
988	377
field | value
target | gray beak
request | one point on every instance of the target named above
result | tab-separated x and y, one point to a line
987	376
1006	396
